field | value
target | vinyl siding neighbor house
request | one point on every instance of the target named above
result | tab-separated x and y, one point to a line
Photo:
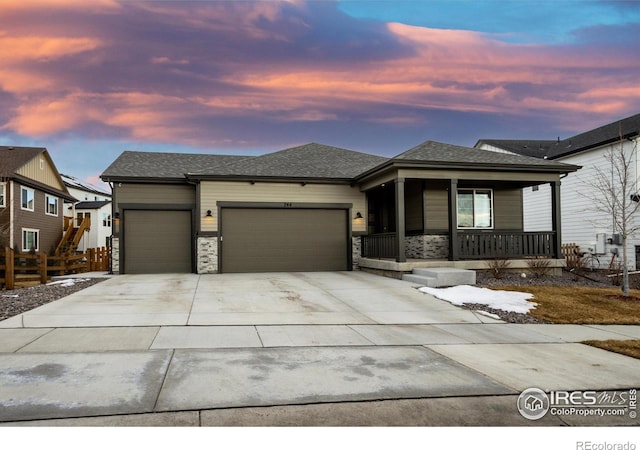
31	199
320	208
91	202
582	223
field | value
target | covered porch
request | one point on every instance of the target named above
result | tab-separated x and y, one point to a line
463	217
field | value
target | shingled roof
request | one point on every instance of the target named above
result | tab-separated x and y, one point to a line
12	158
438	153
91	204
533	148
166	166
606	134
311	161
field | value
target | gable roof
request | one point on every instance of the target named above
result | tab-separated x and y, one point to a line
606	134
13	158
310	161
166	166
629	127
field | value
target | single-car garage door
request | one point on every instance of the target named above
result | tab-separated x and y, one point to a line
284	240
157	241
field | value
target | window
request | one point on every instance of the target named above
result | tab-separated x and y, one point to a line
30	239
106	219
52	205
475	208
28	197
3	187
535	188
81	216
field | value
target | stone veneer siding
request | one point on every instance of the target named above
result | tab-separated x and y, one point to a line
115	255
207	254
356	244
427	246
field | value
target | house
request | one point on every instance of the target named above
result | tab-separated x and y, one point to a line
317	207
582	224
94	204
31	199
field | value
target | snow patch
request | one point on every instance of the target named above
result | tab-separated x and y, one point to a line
504	300
68	282
487	313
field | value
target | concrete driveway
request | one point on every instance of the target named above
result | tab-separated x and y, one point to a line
205	343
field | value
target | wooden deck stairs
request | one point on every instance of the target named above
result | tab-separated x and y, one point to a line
72	235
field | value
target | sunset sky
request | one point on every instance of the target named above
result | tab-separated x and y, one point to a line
90	79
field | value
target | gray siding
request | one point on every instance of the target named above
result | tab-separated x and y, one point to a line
413	205
154	194
436	206
507	209
211	192
50	227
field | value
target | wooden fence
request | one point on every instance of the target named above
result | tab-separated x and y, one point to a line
27	267
571	253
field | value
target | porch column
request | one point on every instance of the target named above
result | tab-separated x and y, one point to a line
556	218
453	220
400	225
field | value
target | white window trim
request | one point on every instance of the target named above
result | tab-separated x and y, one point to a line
37	239
474	190
3	202
23	188
46	205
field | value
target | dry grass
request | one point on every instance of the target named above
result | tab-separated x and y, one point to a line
583	305
629	348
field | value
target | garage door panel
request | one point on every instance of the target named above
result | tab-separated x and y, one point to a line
269	240
157	241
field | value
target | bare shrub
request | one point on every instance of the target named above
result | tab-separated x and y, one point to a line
576	266
498	266
539	266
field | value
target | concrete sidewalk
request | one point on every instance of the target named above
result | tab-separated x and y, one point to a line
301	349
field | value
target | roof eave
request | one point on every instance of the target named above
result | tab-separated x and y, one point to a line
271	179
42	187
560	168
132	179
595	145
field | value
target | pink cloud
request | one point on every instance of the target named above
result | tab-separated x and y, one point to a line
161	71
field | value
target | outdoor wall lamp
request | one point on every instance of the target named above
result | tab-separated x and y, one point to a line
358	216
209	213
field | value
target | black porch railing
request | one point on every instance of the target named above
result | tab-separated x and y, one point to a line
474	244
507	244
381	245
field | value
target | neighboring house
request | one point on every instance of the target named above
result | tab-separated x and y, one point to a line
316	207
31	199
94	203
592	230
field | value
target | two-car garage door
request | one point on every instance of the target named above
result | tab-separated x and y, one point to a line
283	240
251	240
